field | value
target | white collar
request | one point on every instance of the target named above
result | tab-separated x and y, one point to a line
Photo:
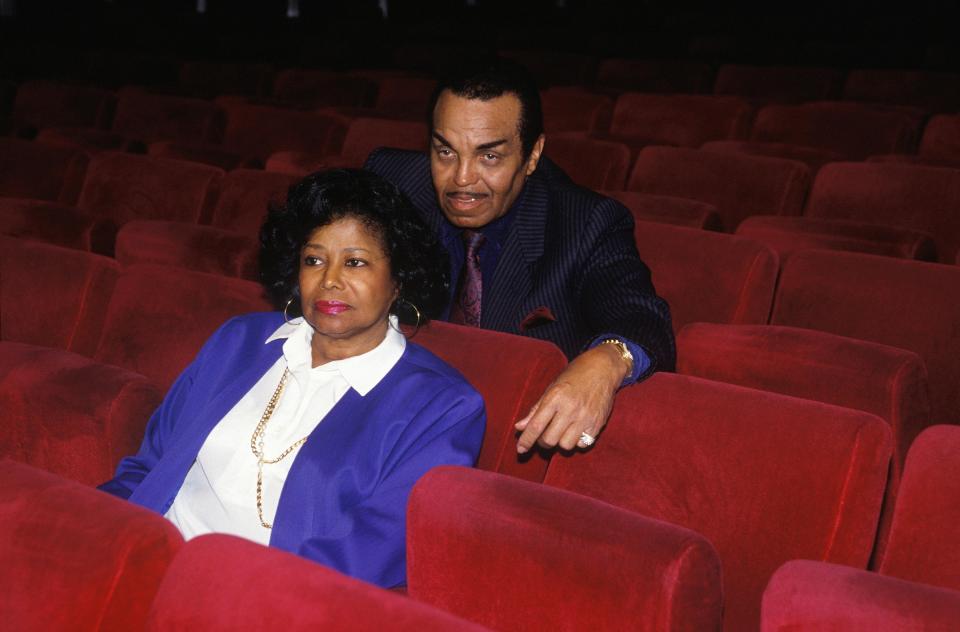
362	372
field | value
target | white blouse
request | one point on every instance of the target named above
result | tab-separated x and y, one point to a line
219	494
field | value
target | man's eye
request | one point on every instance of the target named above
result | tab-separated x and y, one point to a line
491	157
444	152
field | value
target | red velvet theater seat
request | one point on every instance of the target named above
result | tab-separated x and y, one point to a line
813	157
48	104
660	76
787	234
49	222
764	477
221	582
511	372
778	84
198	248
253	132
592	163
941	138
805	595
207	79
737	184
918	585
245	197
677	119
68	414
315	88
363	136
667	209
159	317
142	117
52	296
123	187
905	304
29	169
933	91
707	276
572	109
75	558
852	130
404	96
514	555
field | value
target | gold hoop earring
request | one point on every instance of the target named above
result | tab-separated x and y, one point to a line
416	310
286	318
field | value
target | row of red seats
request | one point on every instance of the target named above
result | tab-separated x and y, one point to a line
635	537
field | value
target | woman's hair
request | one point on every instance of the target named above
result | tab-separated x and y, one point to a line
418	263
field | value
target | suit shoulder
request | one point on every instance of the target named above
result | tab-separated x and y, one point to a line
567	197
397	164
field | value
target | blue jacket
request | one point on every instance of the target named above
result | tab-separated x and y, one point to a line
344	500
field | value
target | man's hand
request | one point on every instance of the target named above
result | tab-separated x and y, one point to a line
578	401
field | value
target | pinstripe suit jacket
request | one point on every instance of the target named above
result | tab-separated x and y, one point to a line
569	250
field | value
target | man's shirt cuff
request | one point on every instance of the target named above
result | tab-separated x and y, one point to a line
641	361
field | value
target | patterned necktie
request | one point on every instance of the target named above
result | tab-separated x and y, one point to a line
466	306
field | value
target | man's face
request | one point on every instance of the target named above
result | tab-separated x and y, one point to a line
476	157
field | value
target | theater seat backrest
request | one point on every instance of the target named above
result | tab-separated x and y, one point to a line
48	104
934	91
678	119
739	185
926	522
906	304
148	117
575	110
122	187
592	163
404	95
159	317
29	169
941	138
764	477
511	372
75	558
245	197
886	193
323	87
256	131
222	582
779	84
366	134
707	276
53	296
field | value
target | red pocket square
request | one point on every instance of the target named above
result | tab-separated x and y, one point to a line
540	316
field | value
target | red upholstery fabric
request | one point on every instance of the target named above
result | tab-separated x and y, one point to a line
514	555
595	164
320	87
935	91
926	521
221	582
75	558
209	78
511	372
52	296
86	139
49	222
245	197
123	187
159	317
852	130
667	209
30	169
779	84
199	248
256	131
49	104
941	138
737	184
404	95
764	477
646	75
915	159
805	595
813	157
575	110
708	277
68	414
906	304
683	120
787	234
147	117
908	196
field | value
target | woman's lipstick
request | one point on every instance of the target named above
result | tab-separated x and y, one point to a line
330	307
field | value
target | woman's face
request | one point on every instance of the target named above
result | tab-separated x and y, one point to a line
346	285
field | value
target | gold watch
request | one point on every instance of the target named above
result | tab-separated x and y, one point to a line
623	350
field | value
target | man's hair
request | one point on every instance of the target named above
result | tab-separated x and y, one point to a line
492	77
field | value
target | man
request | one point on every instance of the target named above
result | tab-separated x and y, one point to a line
534	253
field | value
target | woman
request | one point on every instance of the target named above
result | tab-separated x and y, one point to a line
308	433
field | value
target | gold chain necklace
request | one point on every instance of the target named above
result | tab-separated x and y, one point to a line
256	445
